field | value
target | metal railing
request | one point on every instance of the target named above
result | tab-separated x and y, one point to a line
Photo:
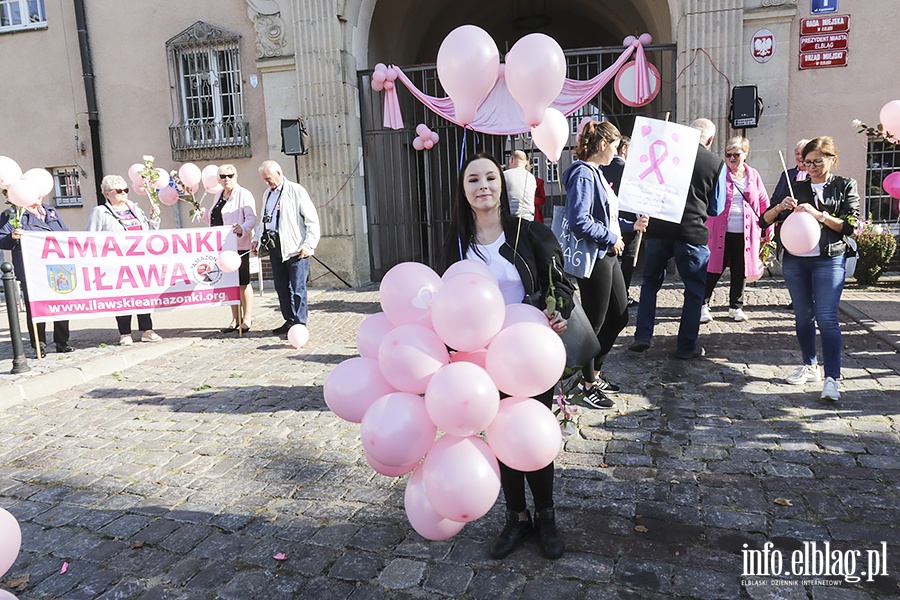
210	140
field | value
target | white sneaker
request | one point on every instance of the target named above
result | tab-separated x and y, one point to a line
804	374
830	390
125	340
737	314
150	336
705	316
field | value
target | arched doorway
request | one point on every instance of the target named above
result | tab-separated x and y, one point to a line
409	193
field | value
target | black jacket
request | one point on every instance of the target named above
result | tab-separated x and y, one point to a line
701	197
536	257
840	198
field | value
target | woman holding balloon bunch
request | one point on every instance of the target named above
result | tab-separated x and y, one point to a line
235	207
814	272
524	256
592	209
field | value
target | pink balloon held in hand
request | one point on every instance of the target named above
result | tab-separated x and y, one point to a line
228	261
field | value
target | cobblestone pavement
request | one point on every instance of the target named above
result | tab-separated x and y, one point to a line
182	476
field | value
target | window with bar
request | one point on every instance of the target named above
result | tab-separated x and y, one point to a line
552	172
882	160
206	63
68	187
16	15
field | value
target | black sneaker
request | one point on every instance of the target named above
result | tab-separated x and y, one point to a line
281	330
513	534
596	399
606	386
697	352
639	346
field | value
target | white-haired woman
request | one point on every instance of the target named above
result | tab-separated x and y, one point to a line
119	213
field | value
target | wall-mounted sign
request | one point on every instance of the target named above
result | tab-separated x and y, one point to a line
762	46
820	25
824	43
819	7
820	60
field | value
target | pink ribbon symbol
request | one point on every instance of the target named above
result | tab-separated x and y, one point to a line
654	161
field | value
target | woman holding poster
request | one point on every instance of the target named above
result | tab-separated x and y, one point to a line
236	207
815	279
121	214
592	209
734	235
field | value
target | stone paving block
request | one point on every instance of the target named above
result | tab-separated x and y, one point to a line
705	585
262	584
727	519
402	573
489	584
356	566
448	580
653	576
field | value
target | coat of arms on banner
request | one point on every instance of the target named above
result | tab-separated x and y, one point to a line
61	278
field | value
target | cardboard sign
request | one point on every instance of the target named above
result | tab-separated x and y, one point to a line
87	274
658	170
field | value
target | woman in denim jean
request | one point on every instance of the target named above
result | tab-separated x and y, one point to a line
815	279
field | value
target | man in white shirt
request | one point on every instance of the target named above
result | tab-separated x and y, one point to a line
520	184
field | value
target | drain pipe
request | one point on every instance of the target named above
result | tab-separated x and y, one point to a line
90	94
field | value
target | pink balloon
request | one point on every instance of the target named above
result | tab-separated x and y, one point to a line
353	386
228	261
377	86
168	196
418	144
42	180
190	174
891	184
525	435
10	540
535	73
462	478
524	313
462	399
552	135
388	85
468	63
23	193
162	179
9	171
134	173
390	73
407	291
526	359
210	179
800	232
435	138
409	356
378	77
422	130
468	266
428	144
421	514
396	430
468	311
381	67
139	189
4	595
371	333
298	335
890	117
476	357
388	471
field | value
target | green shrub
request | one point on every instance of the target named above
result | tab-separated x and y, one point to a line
876	248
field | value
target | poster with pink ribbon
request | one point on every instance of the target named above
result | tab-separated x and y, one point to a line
658	170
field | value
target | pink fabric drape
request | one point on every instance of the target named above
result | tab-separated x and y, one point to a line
499	114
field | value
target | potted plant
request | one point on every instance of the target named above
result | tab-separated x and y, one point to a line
876	247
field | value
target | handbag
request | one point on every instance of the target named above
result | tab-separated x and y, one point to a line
579	338
579	253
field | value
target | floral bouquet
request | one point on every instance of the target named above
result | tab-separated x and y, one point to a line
150	180
566	412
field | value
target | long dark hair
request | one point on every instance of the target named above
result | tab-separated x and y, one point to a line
461	233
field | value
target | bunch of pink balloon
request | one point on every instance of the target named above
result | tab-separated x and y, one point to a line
425	138
10	540
24	189
406	387
383	77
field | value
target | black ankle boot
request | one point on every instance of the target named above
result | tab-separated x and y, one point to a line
514	533
549	538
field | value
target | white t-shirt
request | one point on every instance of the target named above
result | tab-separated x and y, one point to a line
520	185
736	214
508	278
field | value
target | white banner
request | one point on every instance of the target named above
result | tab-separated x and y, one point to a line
87	274
658	170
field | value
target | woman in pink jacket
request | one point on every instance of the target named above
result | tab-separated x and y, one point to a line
235	207
734	235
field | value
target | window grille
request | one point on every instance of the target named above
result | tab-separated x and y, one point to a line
882	159
68	187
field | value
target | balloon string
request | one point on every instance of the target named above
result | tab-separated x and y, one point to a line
786	178
462	148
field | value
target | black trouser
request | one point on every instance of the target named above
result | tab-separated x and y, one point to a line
627	258
734	260
60	328
145	323
540	481
605	301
